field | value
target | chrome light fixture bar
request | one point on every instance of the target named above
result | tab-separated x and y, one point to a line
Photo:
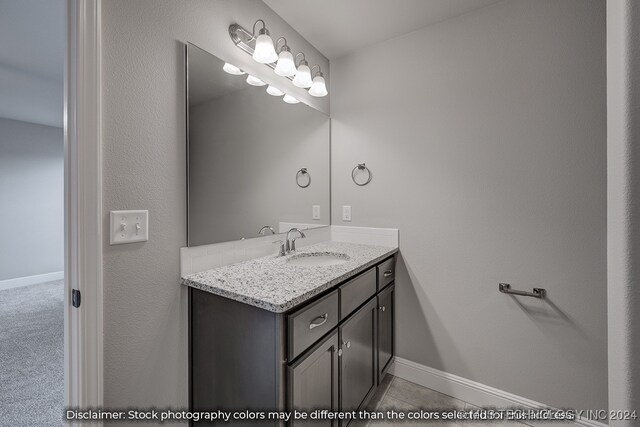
282	62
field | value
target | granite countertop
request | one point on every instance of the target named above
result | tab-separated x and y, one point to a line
275	285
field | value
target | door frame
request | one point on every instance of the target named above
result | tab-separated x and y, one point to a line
83	346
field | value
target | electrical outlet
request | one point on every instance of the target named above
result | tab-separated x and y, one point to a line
346	213
129	227
316	211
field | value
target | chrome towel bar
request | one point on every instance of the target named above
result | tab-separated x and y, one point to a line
505	288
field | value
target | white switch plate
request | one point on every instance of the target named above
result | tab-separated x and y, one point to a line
346	213
129	227
316	211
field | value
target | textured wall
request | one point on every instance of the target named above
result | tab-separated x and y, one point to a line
486	135
145	311
32	199
623	127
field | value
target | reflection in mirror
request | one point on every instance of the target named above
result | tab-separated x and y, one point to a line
245	150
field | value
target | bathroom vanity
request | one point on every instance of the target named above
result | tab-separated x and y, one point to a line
289	333
312	329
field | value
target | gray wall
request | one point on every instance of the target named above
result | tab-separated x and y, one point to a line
623	156
32	199
487	143
144	153
245	149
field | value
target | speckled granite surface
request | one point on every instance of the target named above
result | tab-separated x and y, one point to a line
275	285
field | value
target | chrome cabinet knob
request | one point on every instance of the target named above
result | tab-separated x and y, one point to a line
382	308
347	344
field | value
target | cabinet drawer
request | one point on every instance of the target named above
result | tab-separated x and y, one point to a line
356	291
310	323
386	273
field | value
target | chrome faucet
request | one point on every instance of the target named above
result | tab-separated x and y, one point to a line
265	228
291	242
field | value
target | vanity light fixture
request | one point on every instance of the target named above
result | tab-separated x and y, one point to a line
286	66
290	99
281	61
318	86
254	81
303	74
274	91
264	52
232	69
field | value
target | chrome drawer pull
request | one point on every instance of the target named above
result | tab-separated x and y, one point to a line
319	321
388	273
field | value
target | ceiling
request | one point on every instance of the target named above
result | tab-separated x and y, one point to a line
339	27
32	60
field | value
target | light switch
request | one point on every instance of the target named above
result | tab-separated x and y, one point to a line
129	227
346	213
316	211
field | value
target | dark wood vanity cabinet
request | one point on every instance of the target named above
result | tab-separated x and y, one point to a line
313	380
358	358
386	308
330	354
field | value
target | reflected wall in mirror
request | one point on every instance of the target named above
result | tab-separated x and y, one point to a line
245	149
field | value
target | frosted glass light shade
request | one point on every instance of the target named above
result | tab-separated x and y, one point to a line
285	66
232	69
303	76
272	90
318	87
254	81
290	99
264	52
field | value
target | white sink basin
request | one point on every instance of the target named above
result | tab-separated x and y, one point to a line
318	259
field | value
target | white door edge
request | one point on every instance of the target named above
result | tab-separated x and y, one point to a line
83	206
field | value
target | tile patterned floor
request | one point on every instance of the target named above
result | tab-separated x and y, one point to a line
404	396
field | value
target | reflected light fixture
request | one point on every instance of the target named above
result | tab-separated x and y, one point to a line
290	99
286	66
318	85
274	91
264	52
232	69
303	74
254	81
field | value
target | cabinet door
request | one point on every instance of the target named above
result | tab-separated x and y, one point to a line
385	330
357	360
313	381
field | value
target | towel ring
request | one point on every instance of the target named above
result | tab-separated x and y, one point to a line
361	167
301	173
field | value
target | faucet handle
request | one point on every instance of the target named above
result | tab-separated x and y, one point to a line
281	251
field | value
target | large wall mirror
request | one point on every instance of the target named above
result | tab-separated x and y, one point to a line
254	161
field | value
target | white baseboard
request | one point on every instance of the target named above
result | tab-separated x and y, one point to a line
30	280
470	391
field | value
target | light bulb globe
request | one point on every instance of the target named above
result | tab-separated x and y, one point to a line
264	52
254	81
232	69
274	91
290	99
318	87
285	67
303	77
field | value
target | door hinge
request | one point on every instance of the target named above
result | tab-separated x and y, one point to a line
75	298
